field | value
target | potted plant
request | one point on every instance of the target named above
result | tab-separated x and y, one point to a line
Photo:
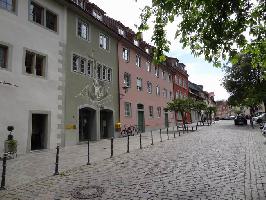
10	143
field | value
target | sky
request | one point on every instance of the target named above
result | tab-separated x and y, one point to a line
200	71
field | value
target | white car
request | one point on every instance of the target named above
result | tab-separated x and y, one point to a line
259	119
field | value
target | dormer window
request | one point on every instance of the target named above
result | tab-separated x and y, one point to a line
97	15
79	3
136	43
121	31
147	50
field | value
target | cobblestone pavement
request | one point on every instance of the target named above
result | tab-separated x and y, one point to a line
222	161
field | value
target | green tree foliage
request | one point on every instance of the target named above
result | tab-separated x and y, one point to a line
200	107
217	29
245	83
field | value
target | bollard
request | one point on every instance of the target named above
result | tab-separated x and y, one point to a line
112	147
140	144
174	131
3	181
179	133
88	163
192	128
196	127
174	134
56	161
127	143
161	135
151	138
187	129
167	133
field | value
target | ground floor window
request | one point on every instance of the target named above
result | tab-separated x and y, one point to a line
127	109
3	56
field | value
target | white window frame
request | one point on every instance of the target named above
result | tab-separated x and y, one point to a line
139	84
127	79
125	54
149	87
127	109
104	41
148	66
138	60
158	90
151	113
87	26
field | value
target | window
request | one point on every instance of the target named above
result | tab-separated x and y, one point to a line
34	64
51	21
149	87
139	84
9	5
43	16
157	90
3	56
148	65
127	79
176	95
109	74
121	31
147	50
104	73
82	65
36	13
97	15
164	93
157	71
126	54
104	41
180	81
127	109
170	95
83	30
138	62
79	3
99	71
90	68
151	111
163	75
159	111
169	78
136	43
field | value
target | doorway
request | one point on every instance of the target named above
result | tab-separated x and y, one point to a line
39	131
87	124
166	121
141	119
106	123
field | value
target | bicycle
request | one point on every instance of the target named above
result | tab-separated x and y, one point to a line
131	131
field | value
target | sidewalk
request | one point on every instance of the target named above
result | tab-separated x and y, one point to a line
38	164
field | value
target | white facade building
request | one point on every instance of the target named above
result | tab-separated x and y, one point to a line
32	41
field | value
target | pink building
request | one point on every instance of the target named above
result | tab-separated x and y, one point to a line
145	88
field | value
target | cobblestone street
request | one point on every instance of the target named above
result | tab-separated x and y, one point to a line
222	161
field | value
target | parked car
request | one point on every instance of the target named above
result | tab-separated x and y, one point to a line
264	129
232	117
240	120
259	119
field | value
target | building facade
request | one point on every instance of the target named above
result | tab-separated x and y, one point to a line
32	37
91	74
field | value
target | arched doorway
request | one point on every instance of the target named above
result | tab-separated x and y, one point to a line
106	123
87	124
141	118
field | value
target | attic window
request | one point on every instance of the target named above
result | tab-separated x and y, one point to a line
136	43
121	31
97	15
79	3
147	50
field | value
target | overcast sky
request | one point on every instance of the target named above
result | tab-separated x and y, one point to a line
200	71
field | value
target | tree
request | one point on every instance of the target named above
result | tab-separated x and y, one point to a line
181	105
199	107
210	110
216	29
245	83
